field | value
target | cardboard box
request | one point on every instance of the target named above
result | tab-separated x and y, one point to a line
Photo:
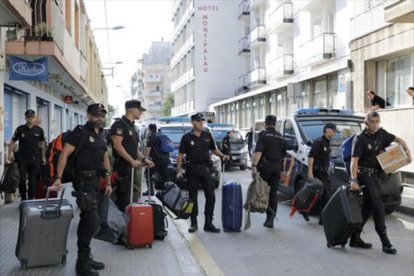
393	158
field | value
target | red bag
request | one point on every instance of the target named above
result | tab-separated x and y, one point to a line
41	189
102	181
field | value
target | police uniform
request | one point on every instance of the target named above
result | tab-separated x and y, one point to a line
198	168
28	156
126	129
273	148
320	152
227	150
367	147
161	160
88	169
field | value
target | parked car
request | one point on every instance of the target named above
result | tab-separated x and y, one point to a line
239	149
303	128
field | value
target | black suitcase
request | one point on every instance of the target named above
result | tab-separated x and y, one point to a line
342	216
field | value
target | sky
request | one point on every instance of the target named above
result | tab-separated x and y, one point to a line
144	21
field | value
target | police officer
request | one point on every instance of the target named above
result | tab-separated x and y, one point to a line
30	154
268	159
318	163
161	160
249	137
90	164
127	156
196	146
365	174
227	150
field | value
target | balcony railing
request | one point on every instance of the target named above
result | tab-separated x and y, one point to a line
243	84
153	79
183	51
257	3
183	21
319	48
399	11
257	76
258	35
183	80
281	66
244	9
282	16
244	45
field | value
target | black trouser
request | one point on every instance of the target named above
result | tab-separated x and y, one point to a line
322	174
270	172
29	170
196	175
163	176
123	187
229	162
372	202
87	187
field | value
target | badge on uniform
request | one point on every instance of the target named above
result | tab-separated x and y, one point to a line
324	149
119	131
22	135
130	132
192	143
369	146
91	139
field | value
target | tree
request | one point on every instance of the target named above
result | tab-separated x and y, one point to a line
168	104
111	113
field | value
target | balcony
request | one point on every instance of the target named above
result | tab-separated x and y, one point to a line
183	21
282	18
281	66
244	46
153	79
243	84
257	3
258	36
257	77
188	45
183	80
399	11
153	93
15	11
318	50
244	10
309	5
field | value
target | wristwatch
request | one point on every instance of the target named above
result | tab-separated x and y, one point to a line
107	173
58	177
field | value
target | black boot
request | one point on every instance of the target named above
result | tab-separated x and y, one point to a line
305	216
209	226
270	217
96	265
84	267
387	247
193	227
356	241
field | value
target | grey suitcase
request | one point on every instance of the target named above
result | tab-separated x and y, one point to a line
43	231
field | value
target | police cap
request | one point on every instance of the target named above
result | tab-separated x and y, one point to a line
134	104
270	120
96	109
30	113
197	117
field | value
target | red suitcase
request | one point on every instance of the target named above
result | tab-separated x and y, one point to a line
140	229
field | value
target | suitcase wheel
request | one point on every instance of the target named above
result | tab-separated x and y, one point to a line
329	245
23	264
64	260
150	246
343	245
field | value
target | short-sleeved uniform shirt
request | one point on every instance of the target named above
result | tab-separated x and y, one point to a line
320	151
92	149
226	144
197	149
153	143
29	139
126	129
271	144
367	147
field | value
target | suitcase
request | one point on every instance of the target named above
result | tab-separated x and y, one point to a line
342	216
43	231
232	206
307	196
140	229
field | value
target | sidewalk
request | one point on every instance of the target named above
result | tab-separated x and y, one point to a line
169	257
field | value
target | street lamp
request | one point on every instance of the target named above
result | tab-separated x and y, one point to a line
116	28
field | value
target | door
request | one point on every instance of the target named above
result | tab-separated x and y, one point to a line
43	111
58	120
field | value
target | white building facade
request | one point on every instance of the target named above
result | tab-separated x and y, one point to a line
205	65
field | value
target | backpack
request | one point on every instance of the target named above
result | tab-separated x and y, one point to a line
160	221
307	197
165	143
346	151
54	150
176	200
257	198
10	179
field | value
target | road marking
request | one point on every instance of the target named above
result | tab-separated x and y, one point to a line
207	263
407	224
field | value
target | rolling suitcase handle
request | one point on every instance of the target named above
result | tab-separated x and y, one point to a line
55	212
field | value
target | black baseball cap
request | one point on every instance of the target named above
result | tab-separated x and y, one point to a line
330	126
197	117
30	113
96	109
134	104
270	120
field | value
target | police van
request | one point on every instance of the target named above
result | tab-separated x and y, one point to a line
307	125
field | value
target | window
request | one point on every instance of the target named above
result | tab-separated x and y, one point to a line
289	134
320	97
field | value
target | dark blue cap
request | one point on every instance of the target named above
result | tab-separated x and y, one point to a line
96	109
30	113
270	120
198	116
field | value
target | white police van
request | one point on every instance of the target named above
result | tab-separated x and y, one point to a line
307	125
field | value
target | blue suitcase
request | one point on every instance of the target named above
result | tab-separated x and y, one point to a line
232	206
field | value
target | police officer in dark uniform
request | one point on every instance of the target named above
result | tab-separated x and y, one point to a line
318	163
30	154
127	156
90	164
268	160
365	174
227	151
196	146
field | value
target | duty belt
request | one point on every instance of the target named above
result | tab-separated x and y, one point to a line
368	170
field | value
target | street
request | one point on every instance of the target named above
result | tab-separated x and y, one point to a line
295	247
